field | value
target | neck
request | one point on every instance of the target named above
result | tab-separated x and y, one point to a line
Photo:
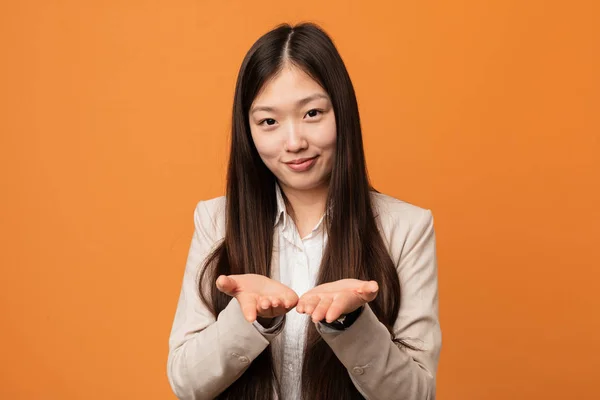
306	207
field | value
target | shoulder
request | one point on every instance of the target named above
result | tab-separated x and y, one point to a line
391	211
210	214
402	224
214	206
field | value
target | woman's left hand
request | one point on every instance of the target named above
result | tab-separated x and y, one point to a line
331	300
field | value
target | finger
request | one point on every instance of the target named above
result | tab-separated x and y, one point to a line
290	300
275	301
264	303
226	285
368	291
310	304
321	309
335	310
300	306
248	305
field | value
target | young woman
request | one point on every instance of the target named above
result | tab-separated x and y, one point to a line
303	282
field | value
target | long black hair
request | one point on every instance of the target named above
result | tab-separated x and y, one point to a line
355	248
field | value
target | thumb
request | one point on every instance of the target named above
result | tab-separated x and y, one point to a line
368	291
227	285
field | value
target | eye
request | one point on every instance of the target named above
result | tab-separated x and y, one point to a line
267	121
313	113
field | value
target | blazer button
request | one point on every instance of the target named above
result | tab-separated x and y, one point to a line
244	360
358	371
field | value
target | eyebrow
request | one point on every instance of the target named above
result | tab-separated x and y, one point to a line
299	103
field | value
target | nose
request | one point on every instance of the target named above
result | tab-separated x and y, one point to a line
295	140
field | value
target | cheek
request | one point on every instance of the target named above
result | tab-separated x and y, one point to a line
267	147
327	137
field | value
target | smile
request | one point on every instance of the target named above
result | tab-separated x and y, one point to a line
302	164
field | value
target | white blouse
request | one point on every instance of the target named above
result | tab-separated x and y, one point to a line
299	261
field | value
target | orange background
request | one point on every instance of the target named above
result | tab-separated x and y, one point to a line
114	123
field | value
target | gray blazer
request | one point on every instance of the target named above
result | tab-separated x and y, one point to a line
206	355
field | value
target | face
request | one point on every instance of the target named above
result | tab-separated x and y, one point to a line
293	127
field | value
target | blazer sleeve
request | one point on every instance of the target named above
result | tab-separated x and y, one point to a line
379	368
206	355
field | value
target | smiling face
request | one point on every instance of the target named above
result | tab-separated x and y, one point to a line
293	128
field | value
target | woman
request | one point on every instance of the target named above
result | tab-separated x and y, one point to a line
303	282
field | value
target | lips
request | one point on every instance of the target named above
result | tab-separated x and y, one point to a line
300	160
302	164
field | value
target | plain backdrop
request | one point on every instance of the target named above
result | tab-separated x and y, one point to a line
114	123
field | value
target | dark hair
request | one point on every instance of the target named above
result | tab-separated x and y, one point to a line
355	248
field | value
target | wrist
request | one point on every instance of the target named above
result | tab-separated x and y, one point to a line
345	320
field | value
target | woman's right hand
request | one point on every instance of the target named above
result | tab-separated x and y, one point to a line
258	295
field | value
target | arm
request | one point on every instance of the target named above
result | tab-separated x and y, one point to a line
208	355
379	368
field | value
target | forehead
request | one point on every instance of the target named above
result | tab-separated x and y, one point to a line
288	86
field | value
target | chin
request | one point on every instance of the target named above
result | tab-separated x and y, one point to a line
302	184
